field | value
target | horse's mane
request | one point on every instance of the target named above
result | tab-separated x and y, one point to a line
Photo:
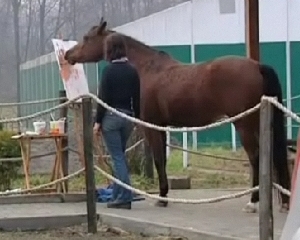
133	42
140	44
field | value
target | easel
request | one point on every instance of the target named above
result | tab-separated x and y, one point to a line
76	108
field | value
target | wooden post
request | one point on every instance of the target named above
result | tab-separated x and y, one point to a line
252	28
78	121
63	113
265	172
89	164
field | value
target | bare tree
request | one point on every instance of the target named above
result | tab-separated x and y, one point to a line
16	8
42	8
33	23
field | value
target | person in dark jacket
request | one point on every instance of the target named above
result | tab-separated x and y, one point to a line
120	89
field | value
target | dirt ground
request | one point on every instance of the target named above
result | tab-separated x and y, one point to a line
80	233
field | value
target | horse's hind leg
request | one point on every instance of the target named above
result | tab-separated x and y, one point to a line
250	141
157	142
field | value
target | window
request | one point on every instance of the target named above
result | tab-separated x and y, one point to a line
227	6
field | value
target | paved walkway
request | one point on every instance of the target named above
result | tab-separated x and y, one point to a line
223	220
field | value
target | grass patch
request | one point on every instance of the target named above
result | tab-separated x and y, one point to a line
208	172
77	184
205	172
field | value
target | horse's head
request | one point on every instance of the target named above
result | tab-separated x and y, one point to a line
90	49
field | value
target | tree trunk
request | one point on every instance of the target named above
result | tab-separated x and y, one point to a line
130	9
42	27
16	9
28	33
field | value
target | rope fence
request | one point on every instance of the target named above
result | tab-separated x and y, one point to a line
58	99
49	100
42	186
159	128
206	154
156	127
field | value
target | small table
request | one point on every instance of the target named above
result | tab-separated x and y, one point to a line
25	141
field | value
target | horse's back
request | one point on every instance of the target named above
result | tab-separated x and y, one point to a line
207	91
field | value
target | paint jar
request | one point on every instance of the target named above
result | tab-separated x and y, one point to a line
57	127
39	127
61	126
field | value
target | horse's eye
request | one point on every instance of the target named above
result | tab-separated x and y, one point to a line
85	38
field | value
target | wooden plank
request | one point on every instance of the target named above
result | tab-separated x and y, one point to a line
89	164
19	159
37	137
252	29
63	113
16	159
265	173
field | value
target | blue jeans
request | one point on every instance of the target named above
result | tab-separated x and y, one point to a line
116	131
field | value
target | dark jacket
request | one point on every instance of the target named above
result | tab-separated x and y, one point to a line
119	88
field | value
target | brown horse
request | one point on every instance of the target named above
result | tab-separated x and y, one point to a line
177	94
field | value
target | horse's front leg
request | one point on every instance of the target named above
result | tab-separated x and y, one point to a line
157	143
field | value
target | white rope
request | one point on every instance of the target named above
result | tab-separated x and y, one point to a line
156	127
159	128
170	129
188	201
135	120
37	114
176	200
127	150
282	108
30	102
44	185
151	196
291	99
282	190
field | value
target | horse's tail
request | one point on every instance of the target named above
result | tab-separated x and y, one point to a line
272	87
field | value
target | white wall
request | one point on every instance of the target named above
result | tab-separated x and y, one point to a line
173	26
212	27
169	27
48	58
294	19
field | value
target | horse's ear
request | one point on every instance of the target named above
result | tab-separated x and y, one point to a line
102	27
101	21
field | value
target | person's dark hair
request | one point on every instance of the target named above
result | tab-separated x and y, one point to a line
114	47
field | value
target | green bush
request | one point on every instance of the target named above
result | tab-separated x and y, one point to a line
9	148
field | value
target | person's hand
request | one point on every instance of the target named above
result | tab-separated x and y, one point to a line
96	128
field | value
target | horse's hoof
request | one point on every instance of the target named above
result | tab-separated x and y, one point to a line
161	203
251	207
284	208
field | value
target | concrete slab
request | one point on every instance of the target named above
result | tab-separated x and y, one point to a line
218	221
42	223
43	198
179	182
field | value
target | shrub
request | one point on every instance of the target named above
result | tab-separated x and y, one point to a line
9	148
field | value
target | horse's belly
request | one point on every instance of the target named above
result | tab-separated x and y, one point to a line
193	113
